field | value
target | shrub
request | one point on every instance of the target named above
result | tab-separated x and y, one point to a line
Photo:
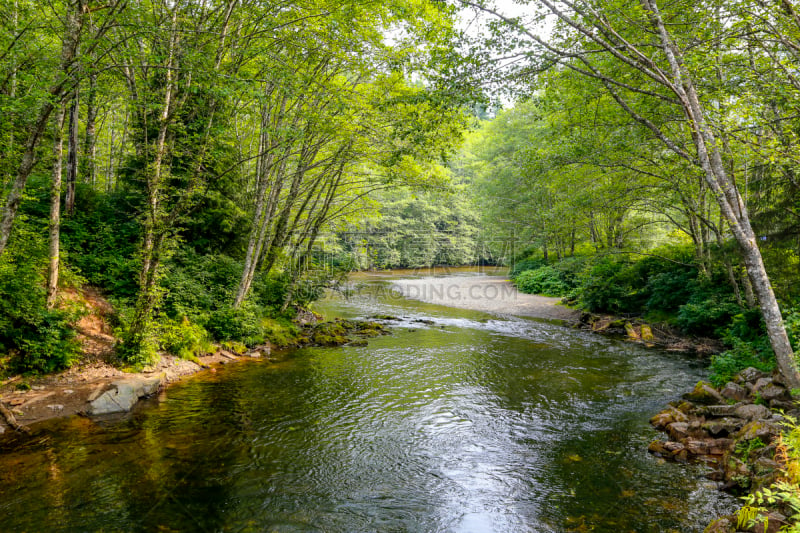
544	280
611	287
708	314
530	263
242	324
40	340
742	355
184	339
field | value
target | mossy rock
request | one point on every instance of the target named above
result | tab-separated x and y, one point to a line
704	393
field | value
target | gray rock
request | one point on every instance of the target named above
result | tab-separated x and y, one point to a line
704	393
56	407
733	391
761	383
749	375
124	394
752	411
774	392
719	410
678	430
2	429
723	426
783	405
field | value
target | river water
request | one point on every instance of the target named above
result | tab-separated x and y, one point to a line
457	422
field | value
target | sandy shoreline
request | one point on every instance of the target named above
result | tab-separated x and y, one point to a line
490	294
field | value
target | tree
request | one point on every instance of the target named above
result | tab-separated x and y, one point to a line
613	44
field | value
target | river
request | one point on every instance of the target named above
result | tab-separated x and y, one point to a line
459	421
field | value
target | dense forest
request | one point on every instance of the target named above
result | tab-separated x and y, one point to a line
650	166
211	166
191	159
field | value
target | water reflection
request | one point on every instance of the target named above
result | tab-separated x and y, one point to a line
469	424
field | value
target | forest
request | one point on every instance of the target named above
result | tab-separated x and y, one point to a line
193	158
212	166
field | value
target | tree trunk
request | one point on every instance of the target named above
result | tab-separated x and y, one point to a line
90	137
55	210
153	237
72	154
730	202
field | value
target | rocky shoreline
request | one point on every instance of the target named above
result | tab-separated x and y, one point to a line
735	431
100	388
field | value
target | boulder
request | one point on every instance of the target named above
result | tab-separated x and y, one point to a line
681	430
749	375
721	427
752	411
719	410
765	464
721	525
665	417
631	331
760	384
124	394
678	430
732	391
704	393
783	405
758	429
774	392
720	446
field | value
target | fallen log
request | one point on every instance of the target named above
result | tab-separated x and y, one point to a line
11	420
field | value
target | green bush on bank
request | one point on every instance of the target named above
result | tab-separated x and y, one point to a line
544	280
34	338
666	287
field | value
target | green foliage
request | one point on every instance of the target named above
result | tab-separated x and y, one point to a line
727	364
243	324
745	447
610	287
530	263
791	319
100	239
544	280
184	339
143	351
196	285
280	332
784	494
39	340
708	314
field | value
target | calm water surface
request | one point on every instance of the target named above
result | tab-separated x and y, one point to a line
474	423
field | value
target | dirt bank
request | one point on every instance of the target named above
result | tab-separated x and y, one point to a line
490	294
33	400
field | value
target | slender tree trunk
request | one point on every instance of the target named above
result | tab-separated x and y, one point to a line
90	136
730	202
55	210
72	154
153	237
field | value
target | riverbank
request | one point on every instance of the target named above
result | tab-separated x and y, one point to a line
493	293
737	432
489	294
98	387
